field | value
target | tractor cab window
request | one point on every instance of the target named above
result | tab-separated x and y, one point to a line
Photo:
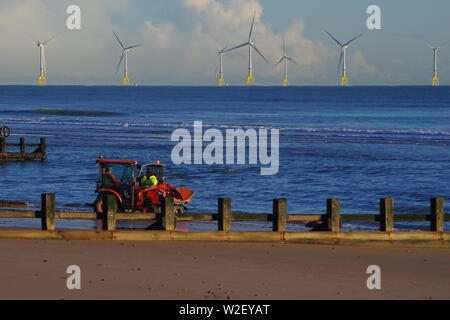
115	174
157	171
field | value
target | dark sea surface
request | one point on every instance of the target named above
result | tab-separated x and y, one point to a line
358	144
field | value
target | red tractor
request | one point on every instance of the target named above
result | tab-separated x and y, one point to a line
128	182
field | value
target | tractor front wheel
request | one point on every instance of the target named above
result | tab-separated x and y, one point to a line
179	209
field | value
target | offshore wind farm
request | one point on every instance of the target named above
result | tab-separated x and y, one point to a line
251	47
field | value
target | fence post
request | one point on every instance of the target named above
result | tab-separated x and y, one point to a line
22	145
2	145
334	215
279	217
48	211
168	214
437	214
224	214
387	214
109	212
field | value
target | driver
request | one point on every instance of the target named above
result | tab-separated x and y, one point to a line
149	181
110	179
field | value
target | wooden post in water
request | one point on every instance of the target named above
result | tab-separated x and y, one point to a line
224	214
109	212
22	145
437	214
48	211
168	213
43	145
279	218
2	145
334	214
387	214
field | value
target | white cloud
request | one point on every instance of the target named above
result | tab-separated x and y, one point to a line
359	63
190	51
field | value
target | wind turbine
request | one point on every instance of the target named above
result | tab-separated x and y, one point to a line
435	80
126	80
251	45
285	58
343	58
42	67
221	81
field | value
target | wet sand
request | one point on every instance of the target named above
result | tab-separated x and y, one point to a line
191	270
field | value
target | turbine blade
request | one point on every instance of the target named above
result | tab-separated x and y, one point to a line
49	40
120	61
291	60
256	49
237	47
347	43
251	28
336	40
444	44
120	42
33	38
138	45
281	60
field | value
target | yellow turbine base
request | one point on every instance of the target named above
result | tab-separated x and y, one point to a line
42	80
435	82
286	82
126	80
250	80
221	82
344	80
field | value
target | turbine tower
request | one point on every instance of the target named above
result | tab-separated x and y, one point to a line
435	80
251	45
126	80
221	80
343	58
285	58
42	67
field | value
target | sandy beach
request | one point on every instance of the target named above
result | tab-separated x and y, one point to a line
191	270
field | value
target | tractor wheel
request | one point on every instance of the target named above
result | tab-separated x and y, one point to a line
98	204
179	209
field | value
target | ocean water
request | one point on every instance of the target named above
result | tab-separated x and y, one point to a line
357	144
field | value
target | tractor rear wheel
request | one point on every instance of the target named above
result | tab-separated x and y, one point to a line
98	204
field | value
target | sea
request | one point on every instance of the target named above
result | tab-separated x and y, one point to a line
358	144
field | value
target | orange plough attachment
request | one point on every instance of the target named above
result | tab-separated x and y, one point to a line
185	194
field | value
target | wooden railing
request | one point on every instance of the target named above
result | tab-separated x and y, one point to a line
326	229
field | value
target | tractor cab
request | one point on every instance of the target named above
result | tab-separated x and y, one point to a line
114	174
153	169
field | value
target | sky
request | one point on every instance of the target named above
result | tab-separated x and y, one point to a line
181	39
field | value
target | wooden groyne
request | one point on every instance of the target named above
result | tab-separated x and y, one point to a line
21	154
326	230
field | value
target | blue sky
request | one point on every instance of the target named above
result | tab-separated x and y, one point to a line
181	38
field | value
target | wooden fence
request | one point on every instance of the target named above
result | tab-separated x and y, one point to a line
39	153
327	226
